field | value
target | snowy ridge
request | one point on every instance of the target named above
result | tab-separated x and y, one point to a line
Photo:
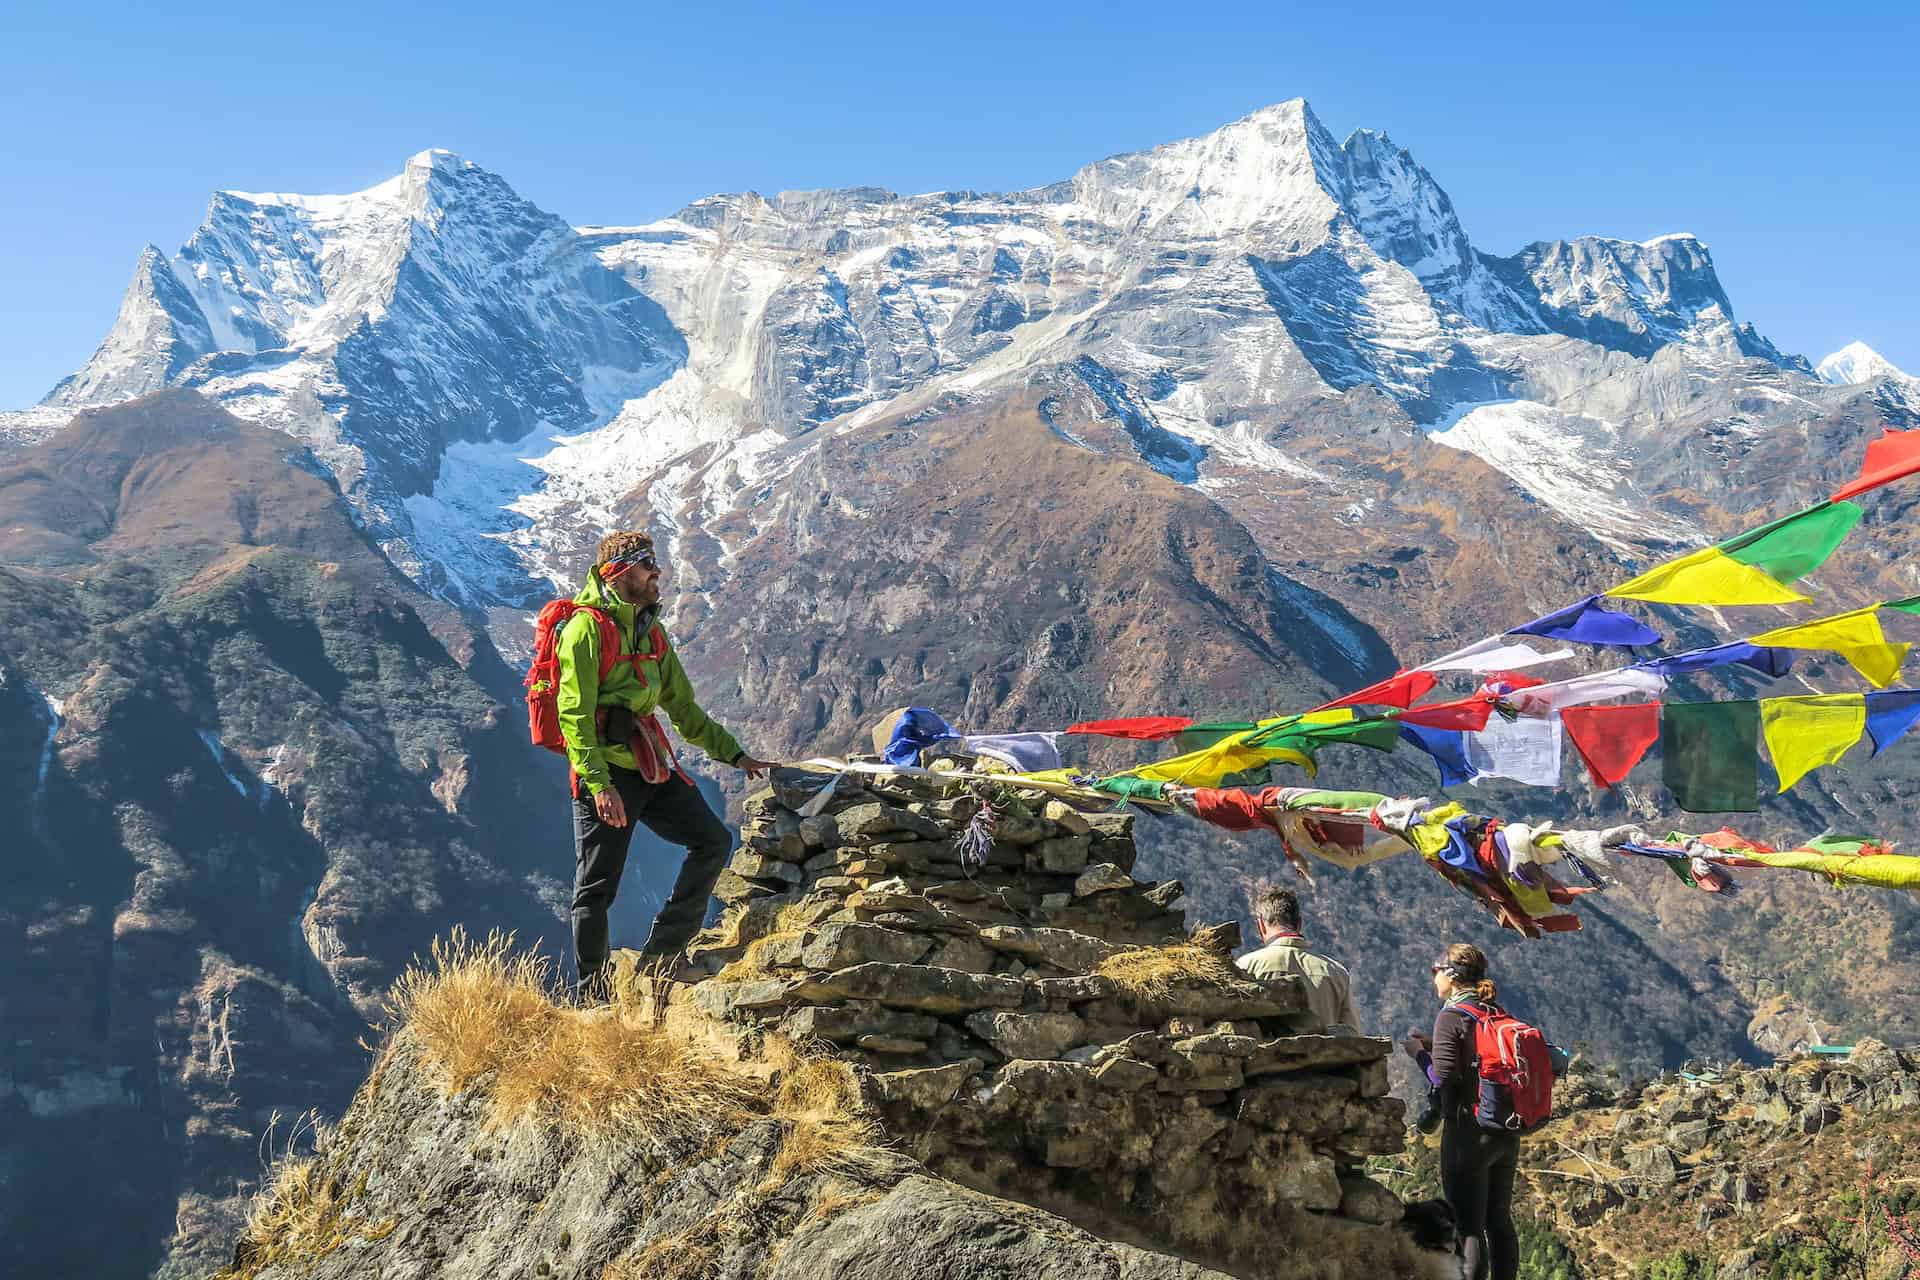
1574	464
492	387
1858	363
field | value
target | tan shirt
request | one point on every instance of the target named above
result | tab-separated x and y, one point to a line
1329	991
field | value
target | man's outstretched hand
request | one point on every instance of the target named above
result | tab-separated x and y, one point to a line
612	810
754	768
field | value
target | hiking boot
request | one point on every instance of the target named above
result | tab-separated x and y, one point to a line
594	991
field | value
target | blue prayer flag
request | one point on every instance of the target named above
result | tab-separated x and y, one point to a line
917	729
1767	661
1890	715
1448	747
1590	622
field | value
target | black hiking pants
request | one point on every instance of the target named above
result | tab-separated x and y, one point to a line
675	811
1476	1174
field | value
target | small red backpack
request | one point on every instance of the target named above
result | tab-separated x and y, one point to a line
1516	1070
543	673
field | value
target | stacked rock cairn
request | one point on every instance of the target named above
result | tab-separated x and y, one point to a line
973	1000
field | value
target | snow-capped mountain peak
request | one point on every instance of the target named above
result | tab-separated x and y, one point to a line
486	382
1270	171
1857	363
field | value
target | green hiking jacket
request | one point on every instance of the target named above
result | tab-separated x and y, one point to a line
581	693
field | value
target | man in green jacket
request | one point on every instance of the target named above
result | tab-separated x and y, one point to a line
623	768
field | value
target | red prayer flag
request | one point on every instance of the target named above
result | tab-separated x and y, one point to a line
1894	454
1469	714
1397	690
1142	728
1612	739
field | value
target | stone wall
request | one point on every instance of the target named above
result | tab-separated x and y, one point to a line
1184	1113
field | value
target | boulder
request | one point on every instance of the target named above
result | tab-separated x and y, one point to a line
969	955
1124	1074
761	868
843	945
1063	855
1101	877
1067	818
720	1000
1365	1200
1061	948
928	1087
1028	1035
869	822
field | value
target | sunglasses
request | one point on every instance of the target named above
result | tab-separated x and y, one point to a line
614	568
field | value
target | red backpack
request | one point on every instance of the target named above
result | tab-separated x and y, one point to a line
1516	1070
543	674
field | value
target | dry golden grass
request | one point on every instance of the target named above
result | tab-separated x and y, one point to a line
486	1016
486	1019
300	1215
1155	973
828	1129
789	923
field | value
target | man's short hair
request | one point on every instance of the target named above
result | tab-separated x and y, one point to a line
620	545
1275	906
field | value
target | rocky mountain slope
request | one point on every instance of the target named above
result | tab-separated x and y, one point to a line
888	1067
1222	426
1796	1168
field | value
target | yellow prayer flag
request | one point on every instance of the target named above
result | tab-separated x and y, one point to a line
1804	734
1206	767
1707	576
1885	871
1854	635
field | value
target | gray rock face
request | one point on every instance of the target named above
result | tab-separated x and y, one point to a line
431	1190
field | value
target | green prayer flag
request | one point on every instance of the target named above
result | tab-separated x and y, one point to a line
1132	788
1198	737
1377	732
1349	800
1710	755
1794	545
1910	605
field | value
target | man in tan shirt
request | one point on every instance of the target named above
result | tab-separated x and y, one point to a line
1276	915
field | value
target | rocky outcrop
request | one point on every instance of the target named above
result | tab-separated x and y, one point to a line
427	1187
1720	1160
885	1060
1038	1026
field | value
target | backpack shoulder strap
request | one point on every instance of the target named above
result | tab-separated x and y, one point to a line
561	612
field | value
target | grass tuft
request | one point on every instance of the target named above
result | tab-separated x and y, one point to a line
829	1128
301	1215
485	1016
1156	973
486	1020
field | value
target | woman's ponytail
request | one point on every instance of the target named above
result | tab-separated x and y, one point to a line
1469	965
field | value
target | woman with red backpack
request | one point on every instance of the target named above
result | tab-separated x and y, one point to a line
1492	1078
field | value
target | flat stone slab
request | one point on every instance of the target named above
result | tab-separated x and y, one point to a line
916	986
928	1087
1028	1035
1062	948
1102	877
844	1024
842	945
1316	1053
719	999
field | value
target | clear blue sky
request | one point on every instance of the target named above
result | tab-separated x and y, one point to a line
1787	136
